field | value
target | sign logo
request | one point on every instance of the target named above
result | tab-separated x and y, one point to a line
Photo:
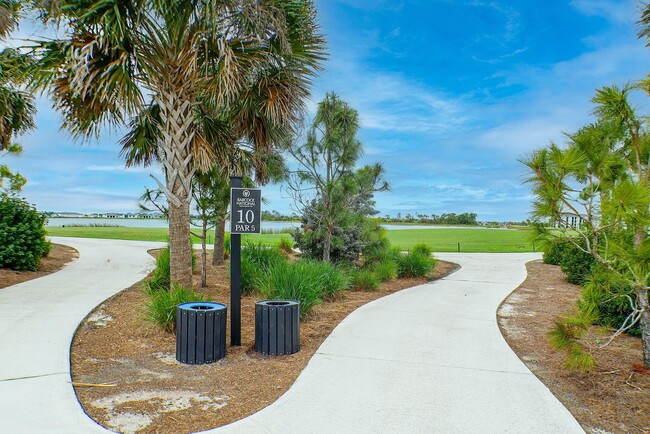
245	216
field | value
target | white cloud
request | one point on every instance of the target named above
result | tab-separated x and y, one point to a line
615	11
118	168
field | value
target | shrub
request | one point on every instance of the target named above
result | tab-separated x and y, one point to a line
161	307
553	251
575	263
422	249
335	278
385	270
285	245
226	245
300	280
608	295
365	280
22	235
261	255
160	276
415	265
250	276
256	260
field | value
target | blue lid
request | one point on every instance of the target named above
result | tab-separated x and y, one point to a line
201	305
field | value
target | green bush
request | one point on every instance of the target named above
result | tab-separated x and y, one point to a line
261	255
422	249
160	276
335	278
365	280
415	264
575	263
256	260
385	270
22	235
161	307
285	245
250	276
553	251
608	295
226	244
300	280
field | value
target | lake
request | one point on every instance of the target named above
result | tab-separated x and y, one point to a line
160	223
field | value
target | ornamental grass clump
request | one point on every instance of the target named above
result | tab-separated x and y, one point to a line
335	278
161	307
302	280
422	249
160	276
415	264
285	245
385	270
365	280
256	260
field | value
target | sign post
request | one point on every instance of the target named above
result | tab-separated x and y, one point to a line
245	218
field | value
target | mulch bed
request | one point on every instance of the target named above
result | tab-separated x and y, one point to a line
54	261
615	397
144	389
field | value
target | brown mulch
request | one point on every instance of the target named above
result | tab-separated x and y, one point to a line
146	390
58	257
615	397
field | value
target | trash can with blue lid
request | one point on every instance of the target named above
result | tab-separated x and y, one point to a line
200	332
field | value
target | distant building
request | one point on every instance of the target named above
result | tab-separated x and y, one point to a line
67	214
570	220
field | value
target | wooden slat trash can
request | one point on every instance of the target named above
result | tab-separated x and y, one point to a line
200	332
277	327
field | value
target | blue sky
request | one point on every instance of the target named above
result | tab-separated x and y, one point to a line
450	93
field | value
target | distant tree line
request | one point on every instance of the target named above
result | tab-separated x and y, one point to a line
431	219
466	218
274	216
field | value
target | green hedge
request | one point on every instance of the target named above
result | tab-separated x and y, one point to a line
22	235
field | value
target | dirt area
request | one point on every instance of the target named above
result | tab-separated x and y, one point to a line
143	387
54	261
616	396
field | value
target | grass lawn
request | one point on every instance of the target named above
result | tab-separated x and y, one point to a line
471	240
440	240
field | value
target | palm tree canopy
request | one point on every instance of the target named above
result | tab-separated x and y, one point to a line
119	54
161	64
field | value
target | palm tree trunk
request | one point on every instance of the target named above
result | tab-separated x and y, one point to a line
219	239
180	252
177	136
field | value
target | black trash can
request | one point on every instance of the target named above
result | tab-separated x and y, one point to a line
200	332
277	327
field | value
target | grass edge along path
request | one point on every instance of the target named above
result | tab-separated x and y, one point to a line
474	240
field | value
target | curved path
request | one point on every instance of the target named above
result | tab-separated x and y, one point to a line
428	359
425	359
38	319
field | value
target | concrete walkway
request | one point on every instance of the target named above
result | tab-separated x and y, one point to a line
429	359
37	322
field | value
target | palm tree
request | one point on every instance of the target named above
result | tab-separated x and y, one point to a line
178	56
9	15
17	109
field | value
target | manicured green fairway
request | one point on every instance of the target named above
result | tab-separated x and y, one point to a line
471	240
440	240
